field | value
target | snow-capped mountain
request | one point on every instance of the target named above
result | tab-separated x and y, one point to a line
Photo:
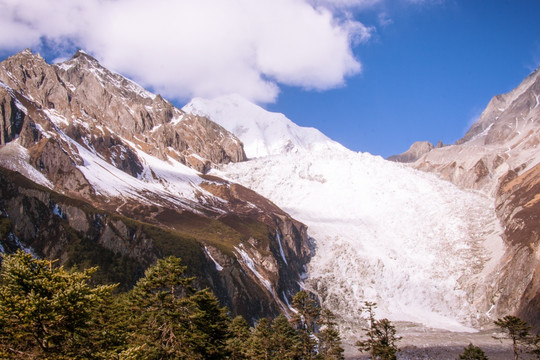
424	249
262	132
421	248
95	169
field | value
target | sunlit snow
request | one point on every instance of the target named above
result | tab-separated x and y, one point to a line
383	232
262	132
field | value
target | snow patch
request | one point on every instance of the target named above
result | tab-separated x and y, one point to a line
281	247
16	158
218	267
248	261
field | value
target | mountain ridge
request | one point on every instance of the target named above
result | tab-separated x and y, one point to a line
134	164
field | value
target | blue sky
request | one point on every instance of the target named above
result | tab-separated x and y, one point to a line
375	75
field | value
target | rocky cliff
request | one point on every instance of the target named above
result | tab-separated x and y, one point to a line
95	170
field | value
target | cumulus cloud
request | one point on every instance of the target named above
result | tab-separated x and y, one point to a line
185	48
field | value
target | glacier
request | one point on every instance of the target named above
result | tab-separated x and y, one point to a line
416	245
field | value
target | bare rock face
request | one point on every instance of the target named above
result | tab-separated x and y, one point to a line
11	117
505	137
82	93
518	207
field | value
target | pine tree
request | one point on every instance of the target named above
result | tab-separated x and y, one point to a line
368	345
329	338
47	312
304	320
517	330
285	341
237	343
260	342
208	325
173	320
472	352
381	336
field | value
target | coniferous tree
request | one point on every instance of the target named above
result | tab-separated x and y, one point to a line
260	342
285	341
304	321
170	320
472	352
381	336
208	325
329	338
237	343
368	345
47	312
516	330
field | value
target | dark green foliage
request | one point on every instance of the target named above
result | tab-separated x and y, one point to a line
304	321
381	336
472	352
285	340
48	312
260	343
239	336
516	330
170	320
329	338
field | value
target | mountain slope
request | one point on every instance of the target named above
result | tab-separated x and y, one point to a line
499	155
104	166
424	250
505	137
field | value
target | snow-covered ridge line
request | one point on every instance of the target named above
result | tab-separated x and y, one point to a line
262	132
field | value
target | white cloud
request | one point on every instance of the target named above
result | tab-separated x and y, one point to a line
185	48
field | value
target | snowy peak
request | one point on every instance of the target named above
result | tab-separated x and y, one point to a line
262	132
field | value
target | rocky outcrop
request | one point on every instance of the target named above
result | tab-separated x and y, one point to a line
505	137
416	150
518	207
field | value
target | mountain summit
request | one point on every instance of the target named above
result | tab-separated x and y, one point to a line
262	132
